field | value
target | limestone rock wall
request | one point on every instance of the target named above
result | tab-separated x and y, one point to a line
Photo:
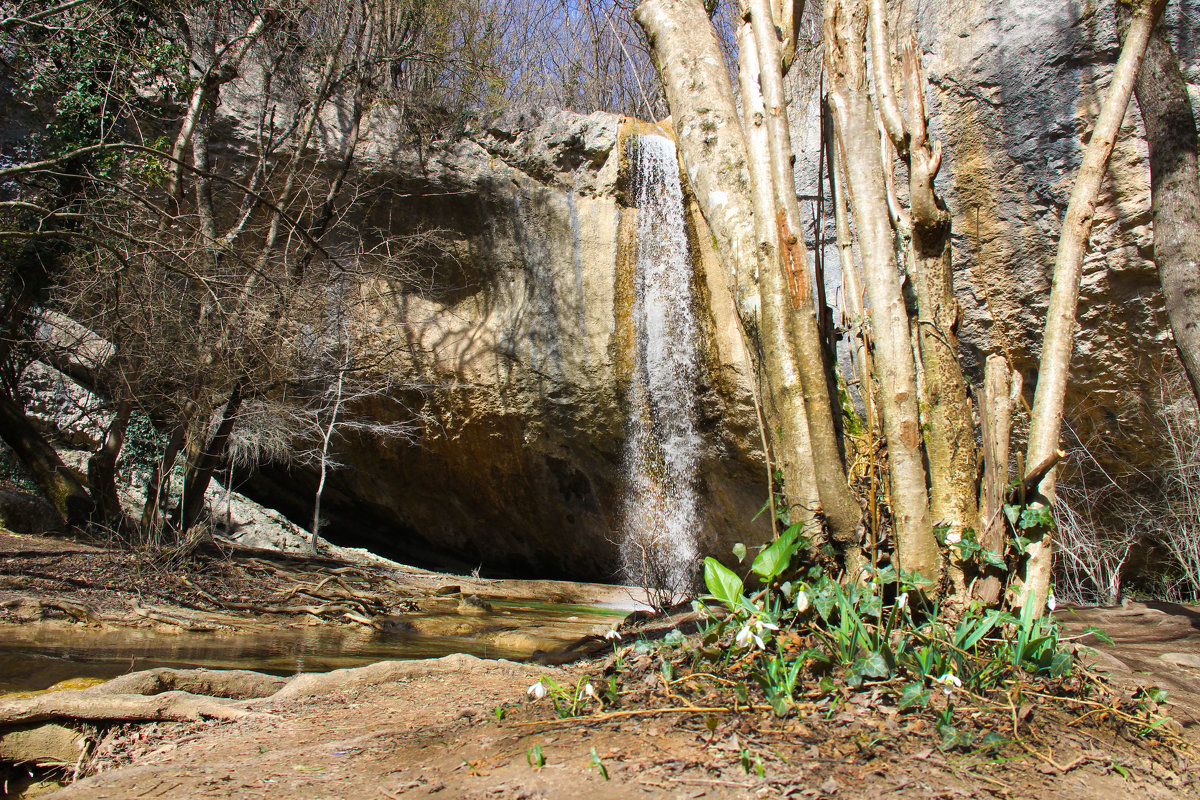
1015	88
514	324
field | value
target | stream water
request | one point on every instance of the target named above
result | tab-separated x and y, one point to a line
661	512
35	656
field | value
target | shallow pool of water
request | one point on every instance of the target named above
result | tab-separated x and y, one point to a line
34	656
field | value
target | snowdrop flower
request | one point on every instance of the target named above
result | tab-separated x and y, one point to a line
611	633
1051	603
950	682
589	690
537	691
802	601
752	632
902	601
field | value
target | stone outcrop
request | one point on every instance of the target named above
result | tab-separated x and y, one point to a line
1015	88
516	320
513	324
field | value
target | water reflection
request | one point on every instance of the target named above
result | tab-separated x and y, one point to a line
35	656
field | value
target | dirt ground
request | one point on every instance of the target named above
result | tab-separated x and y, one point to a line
464	727
431	729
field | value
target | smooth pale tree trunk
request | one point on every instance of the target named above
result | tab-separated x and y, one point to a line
709	134
1001	388
1174	193
895	368
716	159
799	318
950	434
326	439
852	292
775	348
1045	426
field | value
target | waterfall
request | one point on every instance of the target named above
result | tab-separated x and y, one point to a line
661	511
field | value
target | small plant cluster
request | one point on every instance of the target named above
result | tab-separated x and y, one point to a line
883	630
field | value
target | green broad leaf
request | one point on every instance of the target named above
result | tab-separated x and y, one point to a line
739	550
1060	665
823	600
914	694
1012	513
1039	517
874	665
940	531
953	738
992	558
776	557
722	583
1099	634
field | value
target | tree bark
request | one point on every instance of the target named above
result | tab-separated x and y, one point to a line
779	382
799	321
200	472
710	137
102	468
1045	425
896	375
717	162
1001	388
1174	193
950	438
60	486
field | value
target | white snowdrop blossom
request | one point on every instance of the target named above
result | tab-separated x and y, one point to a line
611	633
537	691
753	632
589	690
902	600
802	601
1051	603
950	682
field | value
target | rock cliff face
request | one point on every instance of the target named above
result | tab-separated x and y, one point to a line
518	326
519	320
1015	88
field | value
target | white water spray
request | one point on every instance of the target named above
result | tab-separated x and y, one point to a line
661	512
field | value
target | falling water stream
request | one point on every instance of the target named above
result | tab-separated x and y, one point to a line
661	512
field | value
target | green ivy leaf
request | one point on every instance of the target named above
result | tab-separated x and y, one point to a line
875	665
914	694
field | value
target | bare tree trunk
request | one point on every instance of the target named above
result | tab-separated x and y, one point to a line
805	352
1001	387
102	467
852	290
710	137
1174	193
201	470
719	170
950	438
158	487
326	438
60	486
781	382
895	369
1045	425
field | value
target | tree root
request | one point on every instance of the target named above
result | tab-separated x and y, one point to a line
88	706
